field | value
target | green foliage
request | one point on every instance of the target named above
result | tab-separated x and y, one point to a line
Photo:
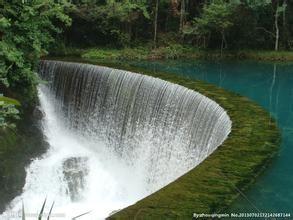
126	23
171	51
42	210
115	54
255	4
215	18
26	31
8	111
111	22
101	54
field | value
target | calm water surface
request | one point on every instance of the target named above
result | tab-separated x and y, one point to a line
270	85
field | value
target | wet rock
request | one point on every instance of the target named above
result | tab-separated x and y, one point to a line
75	170
38	113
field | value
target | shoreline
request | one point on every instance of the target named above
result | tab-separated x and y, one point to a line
171	53
246	154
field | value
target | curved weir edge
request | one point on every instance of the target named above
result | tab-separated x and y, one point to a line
215	183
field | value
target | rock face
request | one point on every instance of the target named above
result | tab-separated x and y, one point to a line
75	170
38	113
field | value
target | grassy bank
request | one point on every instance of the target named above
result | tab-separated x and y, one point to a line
213	185
172	51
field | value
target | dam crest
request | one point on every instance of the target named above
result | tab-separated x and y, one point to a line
165	128
115	137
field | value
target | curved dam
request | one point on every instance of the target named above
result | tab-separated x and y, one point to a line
115	137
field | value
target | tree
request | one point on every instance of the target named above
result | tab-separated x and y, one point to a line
27	29
216	17
112	22
182	16
278	8
156	22
209	23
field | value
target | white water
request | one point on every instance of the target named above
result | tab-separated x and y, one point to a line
110	183
115	137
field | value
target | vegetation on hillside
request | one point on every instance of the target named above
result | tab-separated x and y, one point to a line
27	28
134	29
172	51
8	112
213	24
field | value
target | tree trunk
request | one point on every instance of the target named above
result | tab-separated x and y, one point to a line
284	14
167	20
156	23
130	31
174	8
277	34
285	28
223	42
182	16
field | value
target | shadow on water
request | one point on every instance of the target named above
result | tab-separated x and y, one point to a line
270	85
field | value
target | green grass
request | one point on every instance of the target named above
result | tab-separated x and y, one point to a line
244	55
269	55
213	185
172	51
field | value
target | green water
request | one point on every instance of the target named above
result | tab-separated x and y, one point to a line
270	85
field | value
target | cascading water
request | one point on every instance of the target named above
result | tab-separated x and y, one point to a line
115	137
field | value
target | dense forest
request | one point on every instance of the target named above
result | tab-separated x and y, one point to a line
30	29
27	30
232	24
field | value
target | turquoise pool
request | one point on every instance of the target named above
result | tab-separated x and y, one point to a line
270	85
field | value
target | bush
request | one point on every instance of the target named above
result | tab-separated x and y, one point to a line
8	111
101	54
172	51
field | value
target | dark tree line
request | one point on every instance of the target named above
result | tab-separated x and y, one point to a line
232	24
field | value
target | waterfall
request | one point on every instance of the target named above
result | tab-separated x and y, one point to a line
115	137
